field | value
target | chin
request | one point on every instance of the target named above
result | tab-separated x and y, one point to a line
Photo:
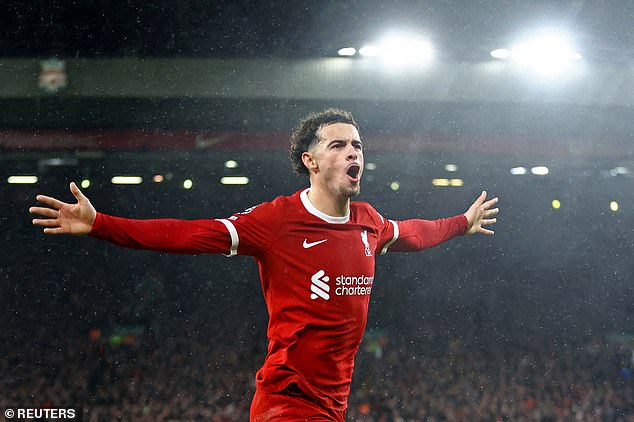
351	192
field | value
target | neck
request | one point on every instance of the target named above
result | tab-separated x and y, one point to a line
329	204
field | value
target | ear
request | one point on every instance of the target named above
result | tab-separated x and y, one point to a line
309	161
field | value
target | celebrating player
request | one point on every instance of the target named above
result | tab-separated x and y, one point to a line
316	252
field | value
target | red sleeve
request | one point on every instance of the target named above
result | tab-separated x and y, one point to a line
416	235
164	235
253	229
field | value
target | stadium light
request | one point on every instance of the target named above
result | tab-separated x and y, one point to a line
400	49
619	171
126	180
231	164
451	167
369	51
548	52
540	170
187	183
614	206
234	180
518	171
22	180
556	204
347	51
440	182
85	184
500	53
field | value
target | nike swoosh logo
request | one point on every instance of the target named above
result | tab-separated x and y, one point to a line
307	245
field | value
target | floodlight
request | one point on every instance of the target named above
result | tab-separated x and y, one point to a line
540	170
370	51
126	180
500	53
22	180
440	182
234	180
549	52
406	50
347	51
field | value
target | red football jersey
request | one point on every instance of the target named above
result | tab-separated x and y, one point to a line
317	274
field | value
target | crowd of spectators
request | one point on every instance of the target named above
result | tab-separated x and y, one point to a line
505	338
512	379
177	374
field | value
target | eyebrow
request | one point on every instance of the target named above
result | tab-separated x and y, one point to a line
345	140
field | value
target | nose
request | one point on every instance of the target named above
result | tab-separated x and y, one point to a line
352	152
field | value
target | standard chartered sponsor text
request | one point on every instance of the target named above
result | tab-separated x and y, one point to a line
353	285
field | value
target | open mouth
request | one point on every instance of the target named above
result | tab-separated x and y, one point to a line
353	171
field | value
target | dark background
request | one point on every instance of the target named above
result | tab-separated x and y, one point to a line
516	316
467	30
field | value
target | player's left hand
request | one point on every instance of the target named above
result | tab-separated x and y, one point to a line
479	214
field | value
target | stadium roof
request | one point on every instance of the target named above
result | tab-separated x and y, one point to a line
462	30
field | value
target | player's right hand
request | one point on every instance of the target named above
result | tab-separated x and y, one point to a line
63	218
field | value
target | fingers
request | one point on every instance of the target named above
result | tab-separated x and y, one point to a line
485	205
48	222
481	214
45	212
57	204
481	198
488	204
56	230
76	192
490	213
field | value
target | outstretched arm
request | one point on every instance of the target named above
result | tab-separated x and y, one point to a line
480	214
63	218
416	235
163	235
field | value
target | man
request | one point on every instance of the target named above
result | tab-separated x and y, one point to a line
315	251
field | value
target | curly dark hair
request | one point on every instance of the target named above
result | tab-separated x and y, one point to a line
306	133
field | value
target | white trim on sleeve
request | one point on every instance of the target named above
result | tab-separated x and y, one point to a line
391	242
235	240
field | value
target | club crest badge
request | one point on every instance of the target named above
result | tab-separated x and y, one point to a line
52	75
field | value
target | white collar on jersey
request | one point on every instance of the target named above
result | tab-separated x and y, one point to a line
314	211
